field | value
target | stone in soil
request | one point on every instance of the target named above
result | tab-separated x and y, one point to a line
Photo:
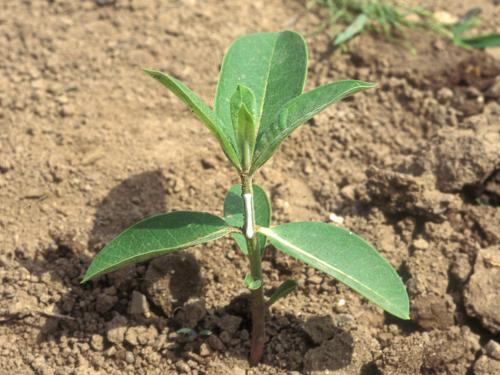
139	305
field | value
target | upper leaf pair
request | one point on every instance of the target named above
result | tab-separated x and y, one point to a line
259	99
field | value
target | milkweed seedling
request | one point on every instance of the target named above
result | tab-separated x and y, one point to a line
258	103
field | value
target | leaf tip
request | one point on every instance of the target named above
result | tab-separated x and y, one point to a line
403	311
84	280
150	72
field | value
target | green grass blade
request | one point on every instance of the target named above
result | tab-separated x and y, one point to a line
353	29
224	135
155	236
233	214
346	257
482	41
298	111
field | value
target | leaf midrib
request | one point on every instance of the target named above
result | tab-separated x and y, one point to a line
277	139
221	232
267	82
270	233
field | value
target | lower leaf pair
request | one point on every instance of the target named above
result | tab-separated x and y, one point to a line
333	250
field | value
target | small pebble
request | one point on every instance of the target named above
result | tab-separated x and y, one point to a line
421	244
204	350
182	367
492	348
129	357
336	219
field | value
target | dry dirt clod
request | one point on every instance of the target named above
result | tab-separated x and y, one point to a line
319	328
116	329
486	366
215	343
482	295
342	355
433	312
229	323
191	313
492	349
105	302
172	279
97	342
494	90
141	335
182	367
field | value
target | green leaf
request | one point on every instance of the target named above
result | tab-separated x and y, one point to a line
468	21
283	290
252	284
354	28
272	65
234	214
242	115
299	110
155	236
483	41
242	96
346	257
224	134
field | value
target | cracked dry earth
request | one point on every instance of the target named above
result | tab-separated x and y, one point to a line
89	145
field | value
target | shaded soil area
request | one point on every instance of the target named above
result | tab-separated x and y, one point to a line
89	145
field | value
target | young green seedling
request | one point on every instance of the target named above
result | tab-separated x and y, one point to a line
259	102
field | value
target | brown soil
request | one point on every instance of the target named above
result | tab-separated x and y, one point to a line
89	145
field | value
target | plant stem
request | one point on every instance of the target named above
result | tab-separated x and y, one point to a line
257	303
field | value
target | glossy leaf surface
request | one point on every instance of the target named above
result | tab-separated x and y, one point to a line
282	291
272	65
155	236
234	213
346	257
299	110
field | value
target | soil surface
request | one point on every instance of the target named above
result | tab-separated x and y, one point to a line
89	145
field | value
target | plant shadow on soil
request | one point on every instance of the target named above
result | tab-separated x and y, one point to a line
136	197
86	310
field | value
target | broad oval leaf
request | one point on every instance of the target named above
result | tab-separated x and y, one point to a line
272	65
234	214
223	132
155	236
346	257
299	110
